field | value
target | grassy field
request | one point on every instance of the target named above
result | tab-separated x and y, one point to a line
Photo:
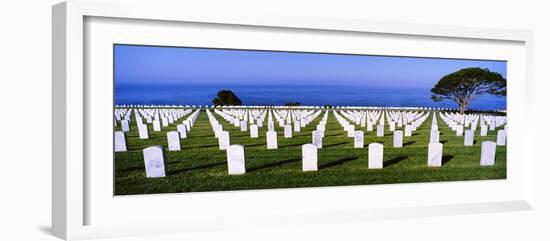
201	167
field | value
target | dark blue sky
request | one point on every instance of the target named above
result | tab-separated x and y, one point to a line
175	65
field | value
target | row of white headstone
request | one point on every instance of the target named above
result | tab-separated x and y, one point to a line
435	149
271	134
155	161
173	137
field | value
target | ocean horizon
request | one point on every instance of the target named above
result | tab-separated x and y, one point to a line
272	94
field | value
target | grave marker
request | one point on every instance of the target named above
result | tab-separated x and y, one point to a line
488	149
120	141
358	139
317	138
223	140
469	138
235	160
244	126
376	155
156	125
125	125
253	131
182	131
143	131
155	163
435	154
173	141
501	138
398	139
483	131
288	131
297	126
434	136
459	130
309	157
271	140
380	130
408	130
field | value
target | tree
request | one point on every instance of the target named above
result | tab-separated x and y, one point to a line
226	97
465	85
295	103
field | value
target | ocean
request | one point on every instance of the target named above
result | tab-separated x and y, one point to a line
162	94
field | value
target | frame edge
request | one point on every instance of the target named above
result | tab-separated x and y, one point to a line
59	116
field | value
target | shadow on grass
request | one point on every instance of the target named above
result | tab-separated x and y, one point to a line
273	164
337	162
443	142
336	144
195	147
445	159
253	145
195	136
130	169
206	166
297	144
409	143
394	161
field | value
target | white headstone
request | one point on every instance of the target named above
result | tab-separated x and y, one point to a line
488	150
501	137
223	140
469	138
271	140
380	130
155	165
143	131
173	141
434	136
244	125
435	154
351	130
408	130
297	126
156	125
376	155
270	125
288	131
125	125
253	131
483	131
317	138
309	157
369	126
182	130
235	160
120	141
459	130
398	139
358	139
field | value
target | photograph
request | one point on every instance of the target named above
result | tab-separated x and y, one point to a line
198	119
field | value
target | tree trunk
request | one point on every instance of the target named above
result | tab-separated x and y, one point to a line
462	105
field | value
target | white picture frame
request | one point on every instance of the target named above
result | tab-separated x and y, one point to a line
71	111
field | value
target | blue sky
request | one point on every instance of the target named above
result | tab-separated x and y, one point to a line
176	65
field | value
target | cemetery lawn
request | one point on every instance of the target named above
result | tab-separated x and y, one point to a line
201	167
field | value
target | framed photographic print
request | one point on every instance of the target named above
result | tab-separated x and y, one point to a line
177	121
205	119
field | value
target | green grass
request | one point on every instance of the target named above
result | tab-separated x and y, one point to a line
201	167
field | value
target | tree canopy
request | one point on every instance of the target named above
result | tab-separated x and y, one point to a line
295	103
465	85
226	97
